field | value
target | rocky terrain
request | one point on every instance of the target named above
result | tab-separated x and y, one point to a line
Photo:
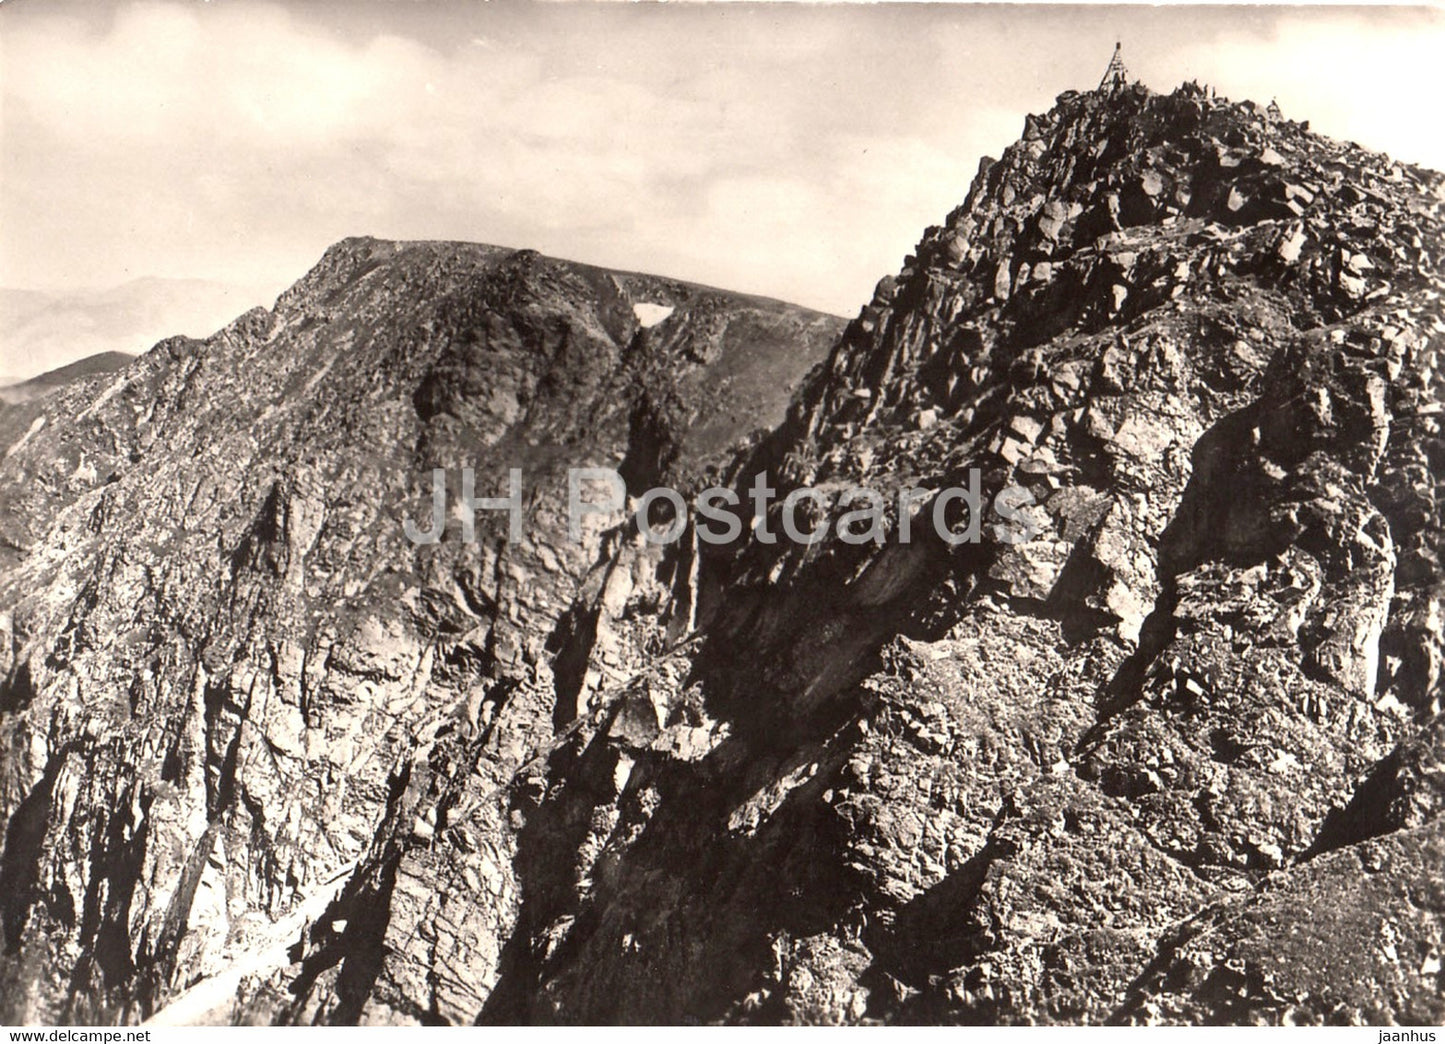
42	331
18	392
1178	757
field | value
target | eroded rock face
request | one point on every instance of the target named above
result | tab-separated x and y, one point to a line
234	687
267	761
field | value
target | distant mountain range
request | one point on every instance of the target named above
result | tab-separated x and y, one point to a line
42	330
24	391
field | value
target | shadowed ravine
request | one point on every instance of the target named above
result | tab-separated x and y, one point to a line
1176	758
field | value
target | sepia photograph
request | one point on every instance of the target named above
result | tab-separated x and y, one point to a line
752	514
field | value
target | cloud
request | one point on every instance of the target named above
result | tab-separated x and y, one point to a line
795	151
234	139
241	119
1363	76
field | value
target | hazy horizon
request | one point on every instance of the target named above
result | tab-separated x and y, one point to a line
795	151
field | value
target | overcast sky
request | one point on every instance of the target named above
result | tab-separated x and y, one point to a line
796	151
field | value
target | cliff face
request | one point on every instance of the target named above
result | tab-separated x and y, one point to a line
1176	757
230	677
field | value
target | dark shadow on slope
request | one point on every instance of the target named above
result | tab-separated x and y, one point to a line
737	889
20	863
1401	792
1222	515
546	857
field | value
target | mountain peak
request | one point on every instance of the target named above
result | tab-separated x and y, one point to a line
1120	200
302	767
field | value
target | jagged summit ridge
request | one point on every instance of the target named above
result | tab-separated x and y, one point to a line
1208	341
1095	216
1175	758
219	652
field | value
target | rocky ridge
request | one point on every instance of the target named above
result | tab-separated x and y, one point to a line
1176	758
227	668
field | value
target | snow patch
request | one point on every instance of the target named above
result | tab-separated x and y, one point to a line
651	314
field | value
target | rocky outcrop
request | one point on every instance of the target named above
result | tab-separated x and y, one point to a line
232	685
18	392
1163	744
